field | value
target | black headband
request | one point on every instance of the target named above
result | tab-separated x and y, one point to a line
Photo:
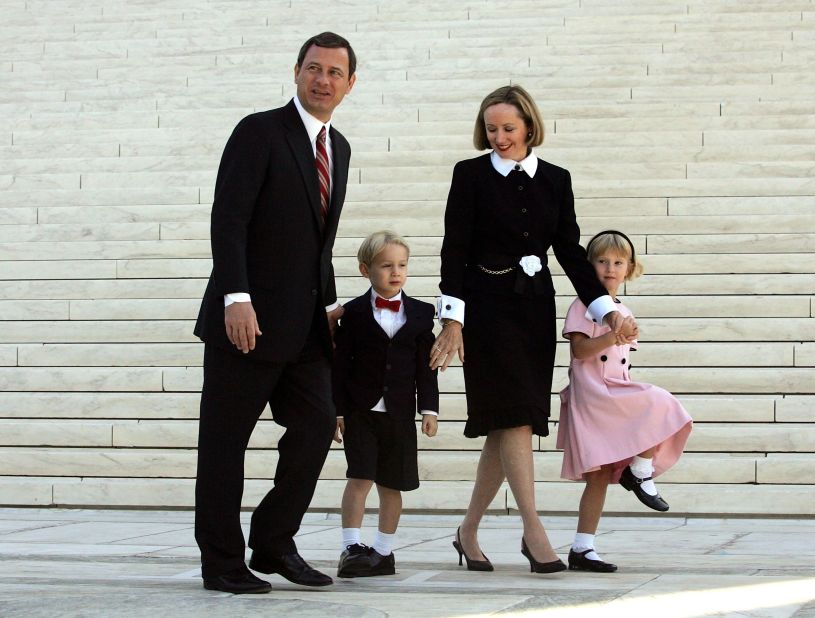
604	232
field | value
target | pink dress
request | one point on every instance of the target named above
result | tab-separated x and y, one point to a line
605	418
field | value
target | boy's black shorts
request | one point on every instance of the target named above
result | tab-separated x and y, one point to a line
381	448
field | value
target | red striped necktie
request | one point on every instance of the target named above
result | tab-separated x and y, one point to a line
321	161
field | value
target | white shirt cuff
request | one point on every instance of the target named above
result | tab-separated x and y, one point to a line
430	412
450	307
598	309
332	306
236	297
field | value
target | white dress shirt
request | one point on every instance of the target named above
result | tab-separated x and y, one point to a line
450	307
313	126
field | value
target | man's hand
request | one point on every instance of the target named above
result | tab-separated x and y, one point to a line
339	430
333	317
242	326
430	425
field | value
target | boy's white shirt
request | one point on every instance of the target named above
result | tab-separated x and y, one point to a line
390	322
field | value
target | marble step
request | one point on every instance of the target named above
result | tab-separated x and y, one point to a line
155	287
415	166
705	438
560	497
420	266
147	405
745	306
684	380
679	379
349	287
190	241
433	465
674	354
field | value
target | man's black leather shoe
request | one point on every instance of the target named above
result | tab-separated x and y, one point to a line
633	483
290	566
239	581
353	561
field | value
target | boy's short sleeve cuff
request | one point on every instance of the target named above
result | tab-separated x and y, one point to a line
452	308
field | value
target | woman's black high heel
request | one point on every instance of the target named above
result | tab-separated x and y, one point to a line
472	565
541	567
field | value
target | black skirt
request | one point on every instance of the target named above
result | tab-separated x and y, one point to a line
509	356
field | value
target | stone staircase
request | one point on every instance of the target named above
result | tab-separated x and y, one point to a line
689	125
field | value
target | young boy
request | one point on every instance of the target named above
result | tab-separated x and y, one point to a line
381	364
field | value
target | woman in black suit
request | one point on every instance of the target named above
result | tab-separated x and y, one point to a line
505	209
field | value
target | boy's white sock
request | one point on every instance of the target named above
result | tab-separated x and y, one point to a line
582	542
350	536
642	468
383	543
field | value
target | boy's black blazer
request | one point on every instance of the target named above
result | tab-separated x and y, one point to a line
268	237
368	365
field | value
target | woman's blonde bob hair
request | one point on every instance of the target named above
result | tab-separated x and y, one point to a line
523	102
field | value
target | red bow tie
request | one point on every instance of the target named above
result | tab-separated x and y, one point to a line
393	305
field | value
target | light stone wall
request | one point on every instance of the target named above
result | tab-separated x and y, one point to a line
688	125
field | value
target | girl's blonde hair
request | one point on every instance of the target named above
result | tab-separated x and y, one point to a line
523	102
615	242
376	242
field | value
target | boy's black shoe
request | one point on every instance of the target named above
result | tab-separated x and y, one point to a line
380	565
354	561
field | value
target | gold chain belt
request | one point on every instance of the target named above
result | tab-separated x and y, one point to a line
496	272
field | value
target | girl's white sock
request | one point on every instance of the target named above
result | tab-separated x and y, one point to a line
350	536
383	543
582	542
642	468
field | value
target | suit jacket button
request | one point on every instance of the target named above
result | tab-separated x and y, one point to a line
384	389
448	307
604	358
314	292
388	366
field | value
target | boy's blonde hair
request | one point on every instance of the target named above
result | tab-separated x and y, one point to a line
376	242
523	102
615	242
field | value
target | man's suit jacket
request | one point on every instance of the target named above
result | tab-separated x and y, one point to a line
369	365
268	238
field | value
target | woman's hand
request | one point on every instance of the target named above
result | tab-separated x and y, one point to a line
449	341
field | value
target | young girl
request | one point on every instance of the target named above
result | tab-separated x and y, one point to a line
612	429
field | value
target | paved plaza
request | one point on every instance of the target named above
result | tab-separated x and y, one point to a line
110	563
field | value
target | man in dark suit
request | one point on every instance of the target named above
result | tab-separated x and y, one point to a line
267	319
